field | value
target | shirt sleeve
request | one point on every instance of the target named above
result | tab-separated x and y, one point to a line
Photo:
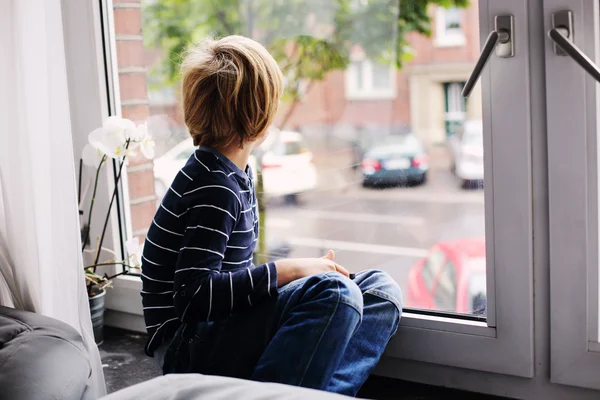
202	291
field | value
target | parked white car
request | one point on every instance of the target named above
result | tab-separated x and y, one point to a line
467	152
288	169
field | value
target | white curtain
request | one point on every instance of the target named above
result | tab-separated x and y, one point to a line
40	258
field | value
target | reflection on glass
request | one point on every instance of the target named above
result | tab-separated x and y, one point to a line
373	154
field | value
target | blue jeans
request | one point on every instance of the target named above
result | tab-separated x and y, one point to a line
323	332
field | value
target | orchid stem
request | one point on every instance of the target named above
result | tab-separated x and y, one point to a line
87	234
109	263
112	199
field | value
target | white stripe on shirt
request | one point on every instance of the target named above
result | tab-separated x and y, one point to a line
211	206
166	230
190	302
231	289
209	170
214	186
202	249
269	280
208	229
187	176
209	299
194	269
170	212
152	262
249	230
236	262
238	247
164	323
167	292
248	210
251	285
155	280
161	247
171	188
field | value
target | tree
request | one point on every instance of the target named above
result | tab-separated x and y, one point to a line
308	38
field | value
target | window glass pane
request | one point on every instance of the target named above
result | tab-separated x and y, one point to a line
370	167
453	19
357	71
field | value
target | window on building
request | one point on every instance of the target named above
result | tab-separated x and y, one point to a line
449	27
365	79
456	106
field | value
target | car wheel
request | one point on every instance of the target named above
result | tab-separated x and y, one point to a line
291	199
422	179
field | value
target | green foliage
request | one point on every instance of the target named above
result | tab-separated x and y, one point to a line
309	38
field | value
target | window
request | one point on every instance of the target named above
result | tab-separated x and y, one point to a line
327	203
574	200
455	106
404	199
369	80
449	27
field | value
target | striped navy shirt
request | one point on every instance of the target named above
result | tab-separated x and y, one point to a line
197	259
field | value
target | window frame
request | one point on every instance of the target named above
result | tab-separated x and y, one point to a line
573	106
504	344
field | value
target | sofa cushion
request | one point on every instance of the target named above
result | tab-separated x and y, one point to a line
40	358
205	387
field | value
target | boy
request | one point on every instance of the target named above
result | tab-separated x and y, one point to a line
208	309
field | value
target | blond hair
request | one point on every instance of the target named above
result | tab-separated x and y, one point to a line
231	91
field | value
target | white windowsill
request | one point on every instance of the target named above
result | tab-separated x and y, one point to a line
125	305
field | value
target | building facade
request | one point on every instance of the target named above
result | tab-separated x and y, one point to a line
365	100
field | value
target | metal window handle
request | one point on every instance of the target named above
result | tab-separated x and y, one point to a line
562	35
500	39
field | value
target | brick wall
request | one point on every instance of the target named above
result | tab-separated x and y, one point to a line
326	104
134	105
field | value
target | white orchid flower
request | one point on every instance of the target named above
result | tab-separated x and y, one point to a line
126	125
147	147
136	138
141	131
110	140
134	250
91	156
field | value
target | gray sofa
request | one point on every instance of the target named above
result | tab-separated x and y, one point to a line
203	387
41	358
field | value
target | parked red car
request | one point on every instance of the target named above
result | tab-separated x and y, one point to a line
451	278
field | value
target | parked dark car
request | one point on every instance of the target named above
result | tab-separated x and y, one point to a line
395	161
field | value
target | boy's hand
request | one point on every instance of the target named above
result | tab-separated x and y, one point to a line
289	270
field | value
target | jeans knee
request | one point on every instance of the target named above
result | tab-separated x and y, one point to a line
343	289
381	284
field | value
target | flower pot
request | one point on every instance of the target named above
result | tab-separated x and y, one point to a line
97	313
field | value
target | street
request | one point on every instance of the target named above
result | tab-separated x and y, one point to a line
388	229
